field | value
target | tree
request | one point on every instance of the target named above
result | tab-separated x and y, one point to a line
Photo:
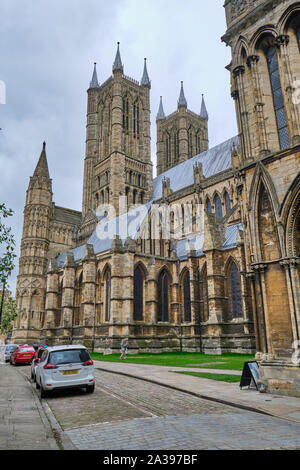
7	245
9	313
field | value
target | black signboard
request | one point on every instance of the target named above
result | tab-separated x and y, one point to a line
250	374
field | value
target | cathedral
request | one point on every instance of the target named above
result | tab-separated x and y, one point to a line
204	257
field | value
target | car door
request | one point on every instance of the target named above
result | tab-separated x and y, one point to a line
40	366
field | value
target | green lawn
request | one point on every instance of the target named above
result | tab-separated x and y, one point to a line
230	361
220	377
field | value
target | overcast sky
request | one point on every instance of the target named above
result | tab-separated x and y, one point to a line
47	51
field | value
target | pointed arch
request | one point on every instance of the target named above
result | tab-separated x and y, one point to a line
263	190
233	288
163	295
186	294
291	219
106	276
204	294
218	206
138	292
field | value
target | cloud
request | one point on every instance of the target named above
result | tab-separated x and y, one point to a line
47	51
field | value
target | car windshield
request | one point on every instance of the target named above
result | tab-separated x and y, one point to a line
69	356
26	350
10	348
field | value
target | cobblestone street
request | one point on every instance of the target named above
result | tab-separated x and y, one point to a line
128	413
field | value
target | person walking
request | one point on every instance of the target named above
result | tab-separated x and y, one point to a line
124	345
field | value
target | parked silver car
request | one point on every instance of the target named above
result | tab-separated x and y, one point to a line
9	348
65	367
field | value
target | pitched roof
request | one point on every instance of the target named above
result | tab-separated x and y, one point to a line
213	161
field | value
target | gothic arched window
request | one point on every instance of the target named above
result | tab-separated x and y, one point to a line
138	287
218	207
168	149
107	283
59	304
281	121
163	297
298	37
204	295
208	206
136	119
77	300
125	114
235	291
187	297
227	202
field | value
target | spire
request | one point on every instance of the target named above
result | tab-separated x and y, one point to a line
145	79
42	166
161	113
94	83
118	63
203	112
182	101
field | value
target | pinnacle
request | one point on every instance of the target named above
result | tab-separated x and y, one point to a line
145	79
117	65
182	100
42	165
94	82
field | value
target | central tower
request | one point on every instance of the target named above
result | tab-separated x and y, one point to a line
118	142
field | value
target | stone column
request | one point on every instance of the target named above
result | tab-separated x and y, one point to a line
259	105
89	290
238	73
292	281
51	296
151	293
68	295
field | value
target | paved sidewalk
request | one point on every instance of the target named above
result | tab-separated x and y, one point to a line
229	393
22	423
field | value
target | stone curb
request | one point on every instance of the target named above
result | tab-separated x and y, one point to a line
50	421
199	395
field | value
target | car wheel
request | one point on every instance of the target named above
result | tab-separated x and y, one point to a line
90	388
43	392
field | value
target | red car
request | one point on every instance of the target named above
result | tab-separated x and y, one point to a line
22	355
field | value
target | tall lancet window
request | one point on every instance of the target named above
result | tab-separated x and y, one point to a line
125	114
218	207
163	297
136	119
187	297
138	294
281	121
107	283
235	291
298	37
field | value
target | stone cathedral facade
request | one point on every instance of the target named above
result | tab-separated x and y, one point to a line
228	284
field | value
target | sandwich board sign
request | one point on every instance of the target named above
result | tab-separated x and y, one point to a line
250	374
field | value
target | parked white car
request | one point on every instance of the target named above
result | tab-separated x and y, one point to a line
65	367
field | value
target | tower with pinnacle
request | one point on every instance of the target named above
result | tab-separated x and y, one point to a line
118	153
31	282
181	135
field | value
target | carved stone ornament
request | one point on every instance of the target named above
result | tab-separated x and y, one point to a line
240	6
